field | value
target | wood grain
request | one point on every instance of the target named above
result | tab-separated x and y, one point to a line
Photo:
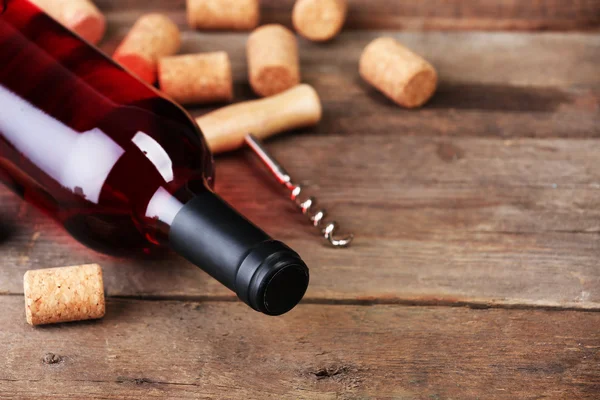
449	203
486	198
468	220
484	58
413	15
491	84
220	350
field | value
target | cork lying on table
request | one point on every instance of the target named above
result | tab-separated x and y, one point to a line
64	294
397	72
81	16
319	20
197	78
273	60
152	37
223	14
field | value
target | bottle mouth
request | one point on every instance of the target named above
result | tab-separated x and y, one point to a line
272	279
283	290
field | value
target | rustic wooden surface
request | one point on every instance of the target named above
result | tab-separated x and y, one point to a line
413	15
186	350
475	269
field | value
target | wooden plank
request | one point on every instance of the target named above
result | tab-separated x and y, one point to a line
447	219
499	58
492	84
415	15
222	350
465	220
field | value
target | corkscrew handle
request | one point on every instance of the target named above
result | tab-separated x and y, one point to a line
328	229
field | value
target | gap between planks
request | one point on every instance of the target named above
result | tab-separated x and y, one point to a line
405	302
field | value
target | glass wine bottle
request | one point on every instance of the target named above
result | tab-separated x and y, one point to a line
119	166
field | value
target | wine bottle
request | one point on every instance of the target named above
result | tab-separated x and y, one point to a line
122	168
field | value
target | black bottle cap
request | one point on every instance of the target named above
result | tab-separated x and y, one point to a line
272	278
264	273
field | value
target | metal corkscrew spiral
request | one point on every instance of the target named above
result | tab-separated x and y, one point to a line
308	206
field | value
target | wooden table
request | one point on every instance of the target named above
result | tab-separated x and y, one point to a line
475	273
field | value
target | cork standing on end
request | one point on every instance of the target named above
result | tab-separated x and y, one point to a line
196	78
238	15
153	36
319	20
273	61
397	72
81	16
64	294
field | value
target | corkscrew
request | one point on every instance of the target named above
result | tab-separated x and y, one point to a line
306	205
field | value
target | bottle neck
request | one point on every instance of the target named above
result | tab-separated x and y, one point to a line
264	273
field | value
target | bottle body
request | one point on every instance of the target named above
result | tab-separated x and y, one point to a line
87	143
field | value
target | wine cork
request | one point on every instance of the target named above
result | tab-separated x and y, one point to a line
400	74
319	20
64	294
153	36
81	16
273	62
226	128
236	15
196	78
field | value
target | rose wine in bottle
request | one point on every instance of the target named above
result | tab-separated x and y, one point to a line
119	166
